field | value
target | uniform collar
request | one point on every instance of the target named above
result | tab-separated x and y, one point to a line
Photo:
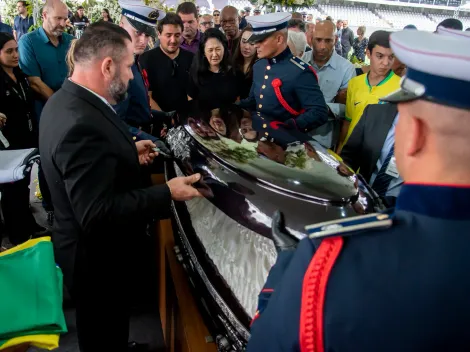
434	200
282	56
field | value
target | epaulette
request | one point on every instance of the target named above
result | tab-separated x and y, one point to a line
347	226
299	63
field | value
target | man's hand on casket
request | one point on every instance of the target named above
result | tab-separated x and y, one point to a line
283	240
181	188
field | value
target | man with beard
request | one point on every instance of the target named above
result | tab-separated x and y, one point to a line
102	205
42	59
167	66
229	21
191	34
139	21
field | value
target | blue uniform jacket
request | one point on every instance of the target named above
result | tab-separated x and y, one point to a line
403	288
135	109
300	103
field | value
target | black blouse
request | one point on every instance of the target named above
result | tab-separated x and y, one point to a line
214	90
16	102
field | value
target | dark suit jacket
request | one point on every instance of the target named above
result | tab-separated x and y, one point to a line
92	168
362	151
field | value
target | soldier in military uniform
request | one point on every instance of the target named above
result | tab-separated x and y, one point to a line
285	91
140	22
396	281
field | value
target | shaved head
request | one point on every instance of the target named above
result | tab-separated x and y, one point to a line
52	5
54	14
230	21
323	42
229	10
431	143
325	29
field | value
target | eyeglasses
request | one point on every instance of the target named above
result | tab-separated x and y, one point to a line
216	14
205	24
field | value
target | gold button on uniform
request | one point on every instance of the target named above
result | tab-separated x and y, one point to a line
266	77
261	96
260	106
264	125
263	86
268	68
134	138
266	133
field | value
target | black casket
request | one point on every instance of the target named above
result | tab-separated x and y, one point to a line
250	168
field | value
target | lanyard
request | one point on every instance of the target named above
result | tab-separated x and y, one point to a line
22	97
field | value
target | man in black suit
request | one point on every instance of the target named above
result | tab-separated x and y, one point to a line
370	150
94	168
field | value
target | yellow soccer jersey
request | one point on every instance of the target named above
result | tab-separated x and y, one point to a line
361	94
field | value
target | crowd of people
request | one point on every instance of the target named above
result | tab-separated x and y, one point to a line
98	107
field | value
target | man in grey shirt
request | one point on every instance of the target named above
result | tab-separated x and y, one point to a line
347	39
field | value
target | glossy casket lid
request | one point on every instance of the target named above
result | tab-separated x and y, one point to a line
281	159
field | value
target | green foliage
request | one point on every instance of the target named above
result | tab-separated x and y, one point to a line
93	10
297	159
293	4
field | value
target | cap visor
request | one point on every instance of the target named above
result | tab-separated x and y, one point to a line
149	30
256	38
400	95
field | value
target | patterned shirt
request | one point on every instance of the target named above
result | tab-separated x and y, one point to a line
360	48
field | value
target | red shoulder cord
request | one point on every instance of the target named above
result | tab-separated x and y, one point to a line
277	83
313	294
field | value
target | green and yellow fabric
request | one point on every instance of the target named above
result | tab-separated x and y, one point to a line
30	296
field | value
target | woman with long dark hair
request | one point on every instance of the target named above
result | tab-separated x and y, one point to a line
105	16
213	81
244	59
18	131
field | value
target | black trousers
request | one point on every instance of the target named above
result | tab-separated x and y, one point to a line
108	279
19	221
46	193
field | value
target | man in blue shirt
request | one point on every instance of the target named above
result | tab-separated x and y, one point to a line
43	53
5	28
334	73
42	59
23	21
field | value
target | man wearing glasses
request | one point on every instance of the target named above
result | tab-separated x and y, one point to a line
216	15
206	22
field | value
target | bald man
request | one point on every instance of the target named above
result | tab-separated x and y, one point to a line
42	59
395	281
230	22
334	73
